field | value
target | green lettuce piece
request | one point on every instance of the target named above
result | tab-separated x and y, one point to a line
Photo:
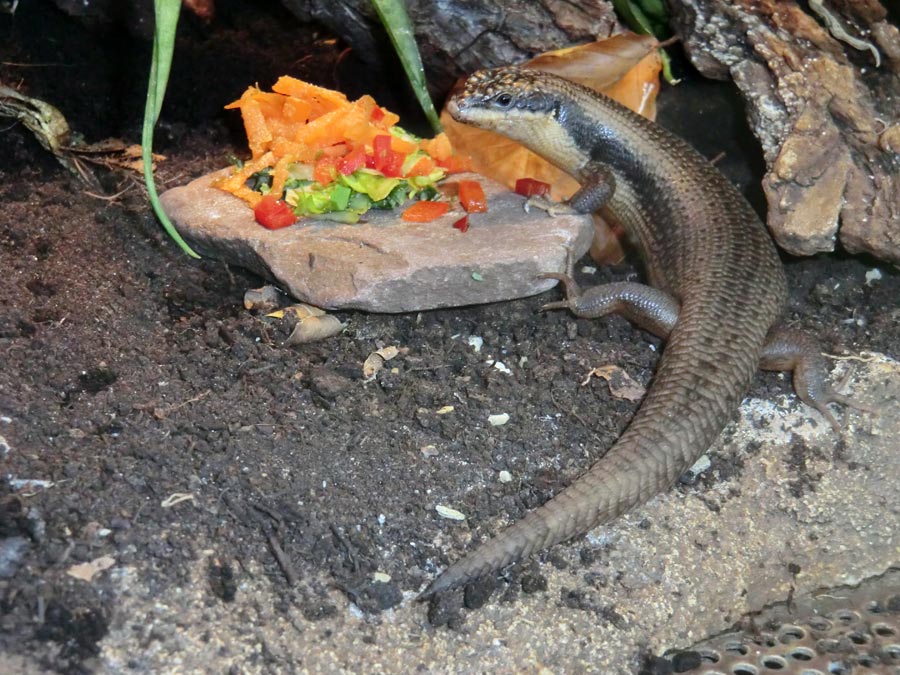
347	217
309	200
370	183
428	180
340	197
396	198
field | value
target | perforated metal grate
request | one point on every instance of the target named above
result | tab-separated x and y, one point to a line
837	632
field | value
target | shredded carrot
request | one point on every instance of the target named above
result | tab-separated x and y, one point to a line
299	122
438	147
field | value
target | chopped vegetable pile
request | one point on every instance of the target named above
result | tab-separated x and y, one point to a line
314	153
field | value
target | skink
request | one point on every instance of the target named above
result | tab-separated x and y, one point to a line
717	288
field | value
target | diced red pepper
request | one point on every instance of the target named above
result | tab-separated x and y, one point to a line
377	114
273	213
393	167
349	163
324	169
462	224
387	161
370	161
471	196
425	211
529	187
381	144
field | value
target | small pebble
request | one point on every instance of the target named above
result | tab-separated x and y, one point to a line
447	512
498	420
504	477
873	274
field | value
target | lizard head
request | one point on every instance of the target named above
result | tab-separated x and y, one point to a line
502	99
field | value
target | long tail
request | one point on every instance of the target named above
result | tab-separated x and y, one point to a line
684	411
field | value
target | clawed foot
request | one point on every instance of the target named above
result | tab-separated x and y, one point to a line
552	208
833	395
573	292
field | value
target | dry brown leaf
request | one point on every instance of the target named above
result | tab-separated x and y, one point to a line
314	328
301	311
598	65
262	299
620	66
203	9
87	571
376	360
621	384
625	67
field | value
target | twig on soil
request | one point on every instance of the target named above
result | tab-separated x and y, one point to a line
578	417
864	357
176	498
230	274
161	413
70	546
282	560
351	554
108	198
274	515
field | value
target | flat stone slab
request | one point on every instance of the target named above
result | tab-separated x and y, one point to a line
385	264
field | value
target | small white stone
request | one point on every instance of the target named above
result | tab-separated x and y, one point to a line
498	420
447	512
873	274
701	465
502	367
504	476
476	342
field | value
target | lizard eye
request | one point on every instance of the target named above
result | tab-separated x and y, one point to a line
504	100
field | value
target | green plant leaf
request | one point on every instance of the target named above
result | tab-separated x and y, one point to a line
648	17
396	21
166	12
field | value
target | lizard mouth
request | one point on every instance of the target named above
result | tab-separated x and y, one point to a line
454	110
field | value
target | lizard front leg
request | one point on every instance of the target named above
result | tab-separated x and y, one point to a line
597	186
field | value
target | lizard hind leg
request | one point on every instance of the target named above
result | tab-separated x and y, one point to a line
794	350
573	292
645	306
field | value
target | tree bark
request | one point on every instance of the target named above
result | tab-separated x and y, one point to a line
457	37
825	114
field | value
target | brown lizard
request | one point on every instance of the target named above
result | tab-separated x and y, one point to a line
717	289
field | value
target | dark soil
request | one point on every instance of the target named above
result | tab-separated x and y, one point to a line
130	373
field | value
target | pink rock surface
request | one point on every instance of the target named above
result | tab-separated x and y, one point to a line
385	264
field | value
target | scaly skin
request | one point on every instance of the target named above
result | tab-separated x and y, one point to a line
701	244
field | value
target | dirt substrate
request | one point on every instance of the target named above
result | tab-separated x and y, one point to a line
131	374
